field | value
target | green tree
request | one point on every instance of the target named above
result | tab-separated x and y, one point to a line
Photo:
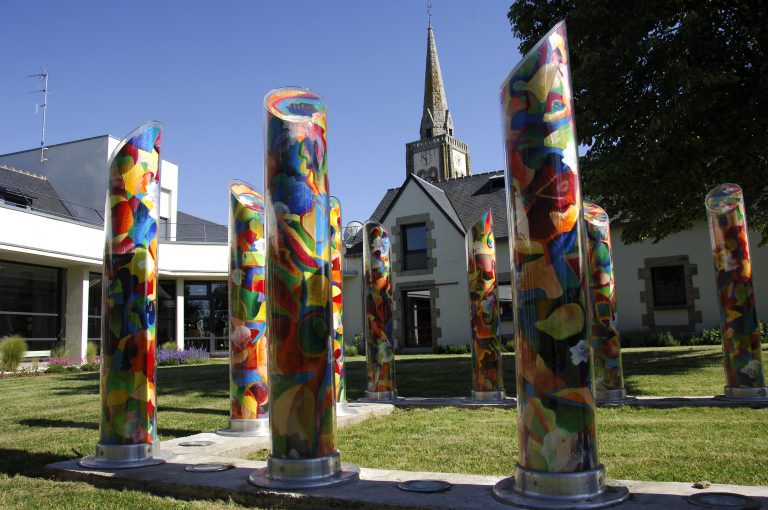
671	99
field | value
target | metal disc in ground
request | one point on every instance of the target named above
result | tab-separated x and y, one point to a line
196	443
208	468
723	500
424	486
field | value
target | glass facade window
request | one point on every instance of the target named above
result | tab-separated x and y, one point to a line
668	286
205	315
31	303
414	246
94	306
166	312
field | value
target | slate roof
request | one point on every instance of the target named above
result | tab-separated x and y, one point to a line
25	189
463	200
194	228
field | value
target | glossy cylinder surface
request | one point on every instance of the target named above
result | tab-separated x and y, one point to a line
379	343
337	287
298	266
248	377
733	269
606	341
129	292
484	307
556	409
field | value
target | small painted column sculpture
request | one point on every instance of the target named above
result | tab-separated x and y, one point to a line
302	414
606	341
248	377
337	286
379	343
558	466
487	377
744	377
128	433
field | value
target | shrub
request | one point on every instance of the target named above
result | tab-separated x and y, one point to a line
60	365
189	356
12	349
711	336
91	366
666	339
58	351
92	352
168	346
350	350
510	345
458	349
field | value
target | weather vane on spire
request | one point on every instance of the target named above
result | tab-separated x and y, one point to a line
429	12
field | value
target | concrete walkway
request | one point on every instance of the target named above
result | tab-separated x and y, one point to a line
377	487
510	403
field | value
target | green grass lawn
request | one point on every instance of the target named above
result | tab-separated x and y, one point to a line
54	417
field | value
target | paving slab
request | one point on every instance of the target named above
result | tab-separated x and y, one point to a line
376	487
434	402
510	403
244	446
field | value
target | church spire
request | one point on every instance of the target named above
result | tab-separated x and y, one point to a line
435	118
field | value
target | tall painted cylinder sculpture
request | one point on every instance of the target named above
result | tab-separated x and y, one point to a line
558	464
606	341
487	376
742	357
379	343
248	377
128	433
302	414
337	287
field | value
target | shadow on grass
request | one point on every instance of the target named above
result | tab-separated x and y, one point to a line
70	424
22	462
194	410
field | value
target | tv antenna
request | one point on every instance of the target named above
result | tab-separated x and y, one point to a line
43	75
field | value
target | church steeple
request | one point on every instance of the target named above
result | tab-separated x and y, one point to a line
435	118
437	155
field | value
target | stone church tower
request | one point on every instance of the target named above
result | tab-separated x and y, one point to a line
437	155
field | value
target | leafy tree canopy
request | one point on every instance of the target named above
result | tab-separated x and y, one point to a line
671	100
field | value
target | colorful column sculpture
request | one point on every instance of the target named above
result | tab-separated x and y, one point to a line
379	343
606	341
744	377
302	414
337	287
128	433
558	466
487	377
248	377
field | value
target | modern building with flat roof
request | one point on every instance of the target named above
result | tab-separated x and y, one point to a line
52	244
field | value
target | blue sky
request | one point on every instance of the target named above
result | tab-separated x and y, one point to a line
202	68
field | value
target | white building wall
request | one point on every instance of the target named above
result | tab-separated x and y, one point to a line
78	172
449	274
694	242
352	297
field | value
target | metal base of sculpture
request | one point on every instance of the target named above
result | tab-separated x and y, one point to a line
614	397
581	490
743	394
246	428
381	395
123	456
304	473
343	409
488	395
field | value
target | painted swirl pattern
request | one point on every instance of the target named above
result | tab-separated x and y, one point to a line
298	266
129	295
733	269
484	307
606	341
248	378
379	348
337	286
554	374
